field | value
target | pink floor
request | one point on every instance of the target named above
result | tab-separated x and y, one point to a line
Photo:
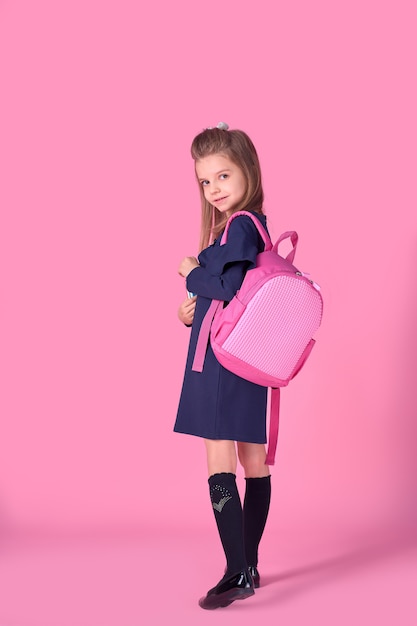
156	577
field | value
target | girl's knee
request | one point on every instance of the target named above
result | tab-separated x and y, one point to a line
252	457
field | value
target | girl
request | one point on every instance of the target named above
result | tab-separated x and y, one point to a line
224	409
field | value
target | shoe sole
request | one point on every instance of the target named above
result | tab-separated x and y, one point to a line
221	600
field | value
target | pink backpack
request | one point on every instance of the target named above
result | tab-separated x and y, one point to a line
265	333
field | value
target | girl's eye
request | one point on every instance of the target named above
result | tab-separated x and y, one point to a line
204	183
224	176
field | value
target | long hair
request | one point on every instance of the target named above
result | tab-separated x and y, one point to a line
238	147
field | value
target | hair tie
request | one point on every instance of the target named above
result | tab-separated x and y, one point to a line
220	126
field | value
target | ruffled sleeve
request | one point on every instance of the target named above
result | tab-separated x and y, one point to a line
223	268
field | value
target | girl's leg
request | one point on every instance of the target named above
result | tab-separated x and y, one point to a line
256	502
225	499
221	456
252	457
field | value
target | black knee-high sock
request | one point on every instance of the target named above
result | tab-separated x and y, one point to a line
228	513
255	513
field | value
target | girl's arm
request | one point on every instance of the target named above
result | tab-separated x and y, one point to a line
222	287
223	276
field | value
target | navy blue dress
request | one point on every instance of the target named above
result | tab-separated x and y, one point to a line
214	403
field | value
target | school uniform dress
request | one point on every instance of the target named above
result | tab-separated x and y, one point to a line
215	403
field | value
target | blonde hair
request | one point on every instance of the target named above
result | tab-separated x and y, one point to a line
238	147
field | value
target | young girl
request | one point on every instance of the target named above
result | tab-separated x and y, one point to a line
224	409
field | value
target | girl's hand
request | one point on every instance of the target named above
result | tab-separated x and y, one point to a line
186	311
187	265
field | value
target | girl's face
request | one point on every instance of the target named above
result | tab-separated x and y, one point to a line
223	182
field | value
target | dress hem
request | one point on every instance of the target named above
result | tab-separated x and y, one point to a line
218	437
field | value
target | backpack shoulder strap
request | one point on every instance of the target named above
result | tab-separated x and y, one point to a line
203	336
261	230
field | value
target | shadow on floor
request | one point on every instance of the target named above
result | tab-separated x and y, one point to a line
366	555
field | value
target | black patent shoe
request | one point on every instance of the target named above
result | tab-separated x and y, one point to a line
253	571
236	587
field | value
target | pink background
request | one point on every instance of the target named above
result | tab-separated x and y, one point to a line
99	103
